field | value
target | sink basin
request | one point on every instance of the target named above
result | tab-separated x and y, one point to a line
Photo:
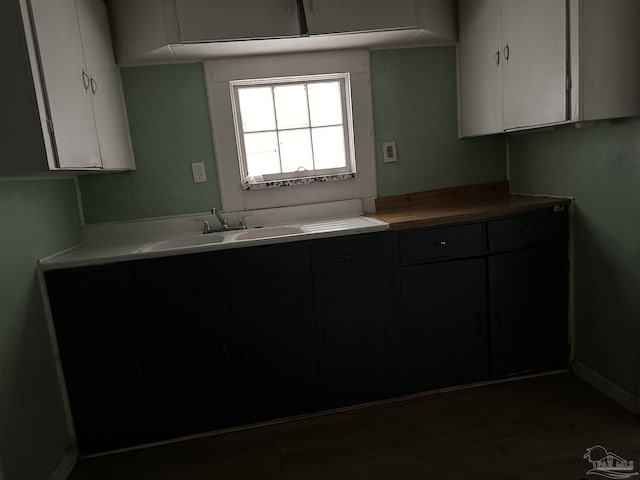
267	232
184	242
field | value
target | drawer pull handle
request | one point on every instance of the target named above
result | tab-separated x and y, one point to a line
225	352
347	256
440	243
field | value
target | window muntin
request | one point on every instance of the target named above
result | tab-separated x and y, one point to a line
293	128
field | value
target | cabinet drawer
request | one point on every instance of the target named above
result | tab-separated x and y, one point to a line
527	230
441	243
348	253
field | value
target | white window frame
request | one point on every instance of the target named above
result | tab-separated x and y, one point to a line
349	170
220	71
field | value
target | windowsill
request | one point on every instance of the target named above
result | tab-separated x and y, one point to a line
298	181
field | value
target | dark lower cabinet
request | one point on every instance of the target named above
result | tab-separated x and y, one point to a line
189	327
352	310
440	331
194	373
277	360
168	347
529	309
102	346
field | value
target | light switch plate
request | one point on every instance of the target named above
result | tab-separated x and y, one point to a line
389	152
199	173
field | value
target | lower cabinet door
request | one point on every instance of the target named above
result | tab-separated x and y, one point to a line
277	362
351	313
440	331
194	372
100	339
529	310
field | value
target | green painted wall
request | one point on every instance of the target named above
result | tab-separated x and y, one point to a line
600	167
38	218
170	129
414	98
415	104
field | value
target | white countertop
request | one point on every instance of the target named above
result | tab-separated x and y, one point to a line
128	241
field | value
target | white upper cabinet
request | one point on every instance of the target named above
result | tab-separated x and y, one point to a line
67	83
105	86
340	16
609	58
480	65
206	20
166	31
69	98
559	61
534	36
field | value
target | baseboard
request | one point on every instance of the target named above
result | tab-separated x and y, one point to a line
606	386
66	465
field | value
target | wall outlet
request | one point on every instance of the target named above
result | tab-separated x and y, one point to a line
199	173
389	152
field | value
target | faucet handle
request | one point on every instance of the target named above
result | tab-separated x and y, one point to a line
206	228
242	223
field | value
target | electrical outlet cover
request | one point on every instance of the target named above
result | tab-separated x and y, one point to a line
199	173
389	152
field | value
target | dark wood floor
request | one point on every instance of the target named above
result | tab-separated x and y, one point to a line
530	429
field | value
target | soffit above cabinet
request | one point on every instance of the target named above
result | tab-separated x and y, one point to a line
167	31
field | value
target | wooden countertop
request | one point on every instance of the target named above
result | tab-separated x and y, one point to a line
458	204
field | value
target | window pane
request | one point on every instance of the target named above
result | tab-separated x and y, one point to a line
291	106
256	109
325	103
328	147
261	150
295	148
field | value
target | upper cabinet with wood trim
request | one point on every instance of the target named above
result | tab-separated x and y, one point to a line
66	110
165	31
533	63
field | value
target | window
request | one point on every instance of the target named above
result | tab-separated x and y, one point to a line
293	129
225	75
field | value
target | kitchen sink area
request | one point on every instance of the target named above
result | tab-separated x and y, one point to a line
124	241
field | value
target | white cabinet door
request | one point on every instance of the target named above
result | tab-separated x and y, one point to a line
337	16
208	20
480	67
105	86
535	62
67	83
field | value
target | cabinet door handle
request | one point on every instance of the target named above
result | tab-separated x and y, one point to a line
94	86
498	57
507	52
225	351
85	80
347	256
441	243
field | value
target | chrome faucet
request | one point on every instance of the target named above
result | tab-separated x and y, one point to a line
224	224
